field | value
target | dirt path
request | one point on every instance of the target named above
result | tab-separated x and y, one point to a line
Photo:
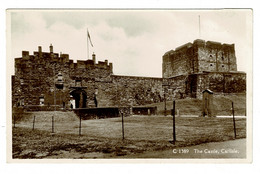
227	149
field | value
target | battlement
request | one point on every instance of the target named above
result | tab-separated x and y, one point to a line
90	64
202	43
62	58
44	55
213	44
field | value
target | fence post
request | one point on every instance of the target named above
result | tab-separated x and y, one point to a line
79	124
234	121
123	133
173	122
165	109
52	125
33	122
14	119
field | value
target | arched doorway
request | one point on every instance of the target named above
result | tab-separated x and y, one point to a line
80	97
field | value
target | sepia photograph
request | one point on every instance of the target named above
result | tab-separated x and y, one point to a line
129	84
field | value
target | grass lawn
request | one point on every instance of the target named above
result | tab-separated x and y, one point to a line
102	138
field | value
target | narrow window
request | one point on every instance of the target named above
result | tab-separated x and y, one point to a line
41	100
60	77
21	81
22	102
222	56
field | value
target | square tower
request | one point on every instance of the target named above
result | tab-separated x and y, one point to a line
198	57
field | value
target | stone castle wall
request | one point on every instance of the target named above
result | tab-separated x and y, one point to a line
187	71
36	77
221	83
192	85
129	91
138	90
179	62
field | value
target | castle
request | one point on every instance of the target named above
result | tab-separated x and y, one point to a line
48	79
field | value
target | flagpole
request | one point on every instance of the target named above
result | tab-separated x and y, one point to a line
199	26
87	44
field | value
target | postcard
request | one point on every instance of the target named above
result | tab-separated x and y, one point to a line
123	85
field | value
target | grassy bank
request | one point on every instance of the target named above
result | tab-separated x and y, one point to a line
192	106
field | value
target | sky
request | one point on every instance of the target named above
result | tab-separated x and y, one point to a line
133	40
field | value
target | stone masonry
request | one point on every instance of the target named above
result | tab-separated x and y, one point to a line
199	57
194	67
53	80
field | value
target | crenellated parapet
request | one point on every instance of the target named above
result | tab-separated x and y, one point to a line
46	58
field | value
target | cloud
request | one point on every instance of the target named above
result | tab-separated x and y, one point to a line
76	19
19	25
132	23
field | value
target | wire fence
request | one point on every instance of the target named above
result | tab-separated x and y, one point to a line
175	126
